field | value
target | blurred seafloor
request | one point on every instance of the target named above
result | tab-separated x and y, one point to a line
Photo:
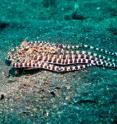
84	97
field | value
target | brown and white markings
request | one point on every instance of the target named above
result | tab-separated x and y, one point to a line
59	57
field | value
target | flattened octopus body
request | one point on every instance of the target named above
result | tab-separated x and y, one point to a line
59	57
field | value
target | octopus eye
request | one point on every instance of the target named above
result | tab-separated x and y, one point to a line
26	48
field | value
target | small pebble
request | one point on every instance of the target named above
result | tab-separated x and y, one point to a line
2	96
53	93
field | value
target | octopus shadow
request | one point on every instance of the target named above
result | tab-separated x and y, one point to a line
20	71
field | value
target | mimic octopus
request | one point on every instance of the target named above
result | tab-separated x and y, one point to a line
59	57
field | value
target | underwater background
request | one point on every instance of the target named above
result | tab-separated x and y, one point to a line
82	97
